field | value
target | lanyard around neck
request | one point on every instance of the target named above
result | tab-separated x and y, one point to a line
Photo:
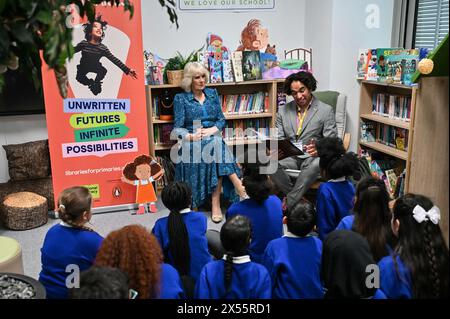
301	118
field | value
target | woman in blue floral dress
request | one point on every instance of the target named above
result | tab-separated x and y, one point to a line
203	160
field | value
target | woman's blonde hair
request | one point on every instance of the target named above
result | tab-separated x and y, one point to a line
190	70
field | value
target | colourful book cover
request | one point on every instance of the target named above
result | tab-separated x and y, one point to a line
368	131
251	65
215	70
371	65
236	61
361	64
227	71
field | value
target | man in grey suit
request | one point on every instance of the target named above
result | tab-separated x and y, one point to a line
303	121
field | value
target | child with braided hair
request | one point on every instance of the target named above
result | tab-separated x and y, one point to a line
70	242
236	276
418	267
182	234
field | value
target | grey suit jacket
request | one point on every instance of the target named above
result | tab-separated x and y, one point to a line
319	122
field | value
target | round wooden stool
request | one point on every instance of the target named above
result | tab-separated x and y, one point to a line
24	210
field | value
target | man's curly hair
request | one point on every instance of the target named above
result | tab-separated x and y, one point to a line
135	251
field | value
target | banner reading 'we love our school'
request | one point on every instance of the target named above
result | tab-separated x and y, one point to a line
102	124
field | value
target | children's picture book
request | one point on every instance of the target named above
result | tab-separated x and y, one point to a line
400	138
371	65
397	64
361	65
268	61
153	68
215	70
251	65
236	61
392	181
368	131
227	71
409	64
202	57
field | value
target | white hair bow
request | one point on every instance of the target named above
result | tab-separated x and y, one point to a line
434	214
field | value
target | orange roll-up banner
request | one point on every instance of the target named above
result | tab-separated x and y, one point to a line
102	124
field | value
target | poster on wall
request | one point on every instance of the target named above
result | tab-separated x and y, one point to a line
102	124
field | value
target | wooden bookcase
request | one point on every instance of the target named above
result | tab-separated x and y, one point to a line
368	89
426	161
248	87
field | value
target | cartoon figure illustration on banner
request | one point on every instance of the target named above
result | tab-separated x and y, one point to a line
92	50
142	172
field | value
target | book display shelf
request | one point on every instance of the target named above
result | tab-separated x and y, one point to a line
247	104
387	124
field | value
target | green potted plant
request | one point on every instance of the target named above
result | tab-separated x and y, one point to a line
173	71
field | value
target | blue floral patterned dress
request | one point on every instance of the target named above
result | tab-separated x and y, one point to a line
201	163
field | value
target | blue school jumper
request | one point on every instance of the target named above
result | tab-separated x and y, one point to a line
346	222
249	280
394	285
294	266
196	224
63	246
266	220
334	202
171	285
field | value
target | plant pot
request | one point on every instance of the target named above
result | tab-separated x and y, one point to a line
36	286
174	77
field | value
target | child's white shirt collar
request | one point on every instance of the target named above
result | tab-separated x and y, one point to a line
65	224
185	210
291	235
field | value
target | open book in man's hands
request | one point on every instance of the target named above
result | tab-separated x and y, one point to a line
284	147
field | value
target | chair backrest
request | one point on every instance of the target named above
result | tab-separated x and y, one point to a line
338	101
300	54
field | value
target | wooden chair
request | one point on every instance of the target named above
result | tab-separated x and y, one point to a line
300	54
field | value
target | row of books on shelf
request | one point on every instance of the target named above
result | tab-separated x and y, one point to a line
245	103
237	129
161	134
393	106
169	171
384	170
231	104
246	129
385	134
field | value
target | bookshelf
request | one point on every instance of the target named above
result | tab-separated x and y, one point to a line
389	121
265	119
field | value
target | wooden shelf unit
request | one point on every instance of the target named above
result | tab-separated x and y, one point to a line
368	89
246	87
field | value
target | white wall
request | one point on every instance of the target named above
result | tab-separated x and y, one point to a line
349	33
318	27
286	25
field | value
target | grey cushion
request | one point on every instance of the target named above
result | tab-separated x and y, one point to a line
338	102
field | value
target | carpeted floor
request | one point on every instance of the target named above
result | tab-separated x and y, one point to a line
31	240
